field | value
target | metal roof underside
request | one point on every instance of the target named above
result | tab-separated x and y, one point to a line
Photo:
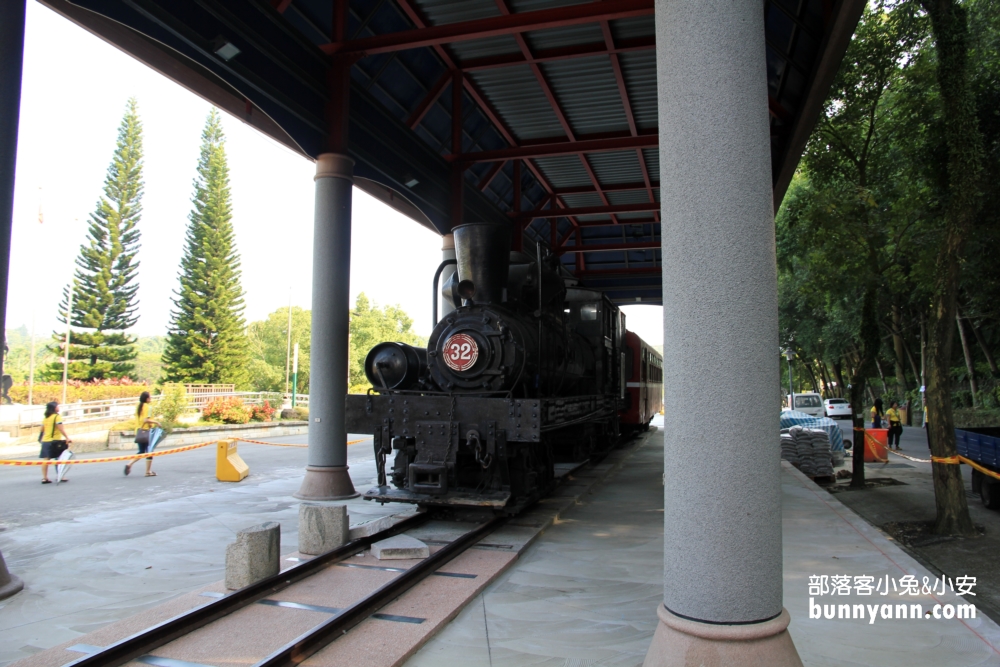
562	92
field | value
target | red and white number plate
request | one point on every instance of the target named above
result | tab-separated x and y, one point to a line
460	352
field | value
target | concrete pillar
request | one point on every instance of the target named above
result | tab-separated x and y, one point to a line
722	516
11	57
326	474
447	252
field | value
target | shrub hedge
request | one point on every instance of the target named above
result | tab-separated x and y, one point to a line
78	391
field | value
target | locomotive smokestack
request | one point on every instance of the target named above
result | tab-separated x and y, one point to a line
482	250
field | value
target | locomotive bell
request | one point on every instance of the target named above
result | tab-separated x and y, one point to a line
482	252
395	365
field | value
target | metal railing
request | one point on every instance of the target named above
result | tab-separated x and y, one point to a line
123	409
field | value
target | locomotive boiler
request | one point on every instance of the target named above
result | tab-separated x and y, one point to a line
523	374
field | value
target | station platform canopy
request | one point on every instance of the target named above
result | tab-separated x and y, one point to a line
546	110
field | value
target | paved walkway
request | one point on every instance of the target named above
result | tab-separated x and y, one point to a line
586	592
104	546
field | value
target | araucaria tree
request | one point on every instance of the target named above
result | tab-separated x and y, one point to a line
104	296
206	342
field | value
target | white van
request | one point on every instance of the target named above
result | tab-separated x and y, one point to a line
811	404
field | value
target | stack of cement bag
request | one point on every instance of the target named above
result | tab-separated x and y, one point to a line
789	452
811	449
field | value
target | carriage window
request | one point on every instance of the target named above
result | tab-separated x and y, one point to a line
588	312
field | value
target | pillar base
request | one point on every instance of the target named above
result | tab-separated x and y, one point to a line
331	483
15	585
680	642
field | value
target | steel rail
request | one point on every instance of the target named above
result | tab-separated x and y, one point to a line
149	639
319	637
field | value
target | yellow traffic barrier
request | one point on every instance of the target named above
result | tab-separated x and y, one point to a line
229	467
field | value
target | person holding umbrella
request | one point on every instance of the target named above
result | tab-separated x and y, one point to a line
144	437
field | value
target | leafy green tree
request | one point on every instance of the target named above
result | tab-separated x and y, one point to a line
104	299
849	231
206	342
371	325
961	208
269	347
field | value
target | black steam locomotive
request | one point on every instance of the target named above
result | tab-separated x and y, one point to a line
523	374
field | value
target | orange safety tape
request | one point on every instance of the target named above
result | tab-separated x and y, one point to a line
911	458
290	444
954	460
985	471
128	457
868	443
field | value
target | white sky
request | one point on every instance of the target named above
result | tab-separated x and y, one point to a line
70	112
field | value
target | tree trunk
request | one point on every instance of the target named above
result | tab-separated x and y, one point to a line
969	365
917	375
812	377
965	166
897	346
881	375
824	375
870	343
838	372
994	371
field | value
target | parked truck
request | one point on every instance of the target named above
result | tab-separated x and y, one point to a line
982	446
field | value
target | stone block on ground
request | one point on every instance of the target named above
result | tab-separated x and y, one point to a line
400	547
9	584
254	556
372	527
322	528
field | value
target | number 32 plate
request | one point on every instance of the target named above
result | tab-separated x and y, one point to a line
460	352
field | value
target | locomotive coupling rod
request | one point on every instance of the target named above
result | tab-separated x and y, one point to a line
149	639
300	649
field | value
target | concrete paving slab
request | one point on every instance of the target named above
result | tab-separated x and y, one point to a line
336	586
586	591
108	547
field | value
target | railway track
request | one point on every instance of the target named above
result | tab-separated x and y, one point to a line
350	588
139	646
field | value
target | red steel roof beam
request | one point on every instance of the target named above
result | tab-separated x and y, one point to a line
588	210
631	271
430	98
598	247
551	97
616	66
560	53
485	181
491	27
589	189
560	148
477	96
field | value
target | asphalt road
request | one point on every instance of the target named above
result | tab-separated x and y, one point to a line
25	501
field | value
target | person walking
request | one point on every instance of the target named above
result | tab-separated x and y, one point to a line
877	413
895	424
142	422
52	447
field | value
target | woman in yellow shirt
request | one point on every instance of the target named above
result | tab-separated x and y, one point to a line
877	414
143	420
52	446
895	423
